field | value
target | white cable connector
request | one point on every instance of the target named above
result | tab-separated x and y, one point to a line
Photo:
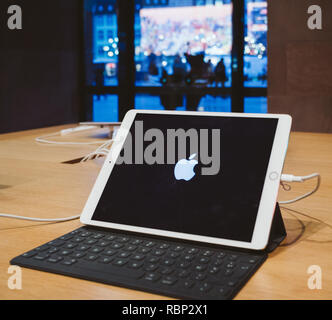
292	178
63	132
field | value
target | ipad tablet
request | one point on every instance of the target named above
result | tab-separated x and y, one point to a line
200	176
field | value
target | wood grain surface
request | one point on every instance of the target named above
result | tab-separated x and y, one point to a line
35	182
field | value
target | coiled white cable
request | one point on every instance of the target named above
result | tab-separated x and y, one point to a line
292	178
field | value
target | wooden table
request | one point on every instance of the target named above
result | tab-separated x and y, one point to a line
35	182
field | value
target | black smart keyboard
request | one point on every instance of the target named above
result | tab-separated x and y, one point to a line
179	269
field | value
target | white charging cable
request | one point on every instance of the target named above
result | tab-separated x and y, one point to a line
44	139
292	178
12	216
102	150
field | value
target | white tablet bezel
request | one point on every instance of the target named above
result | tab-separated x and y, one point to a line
268	197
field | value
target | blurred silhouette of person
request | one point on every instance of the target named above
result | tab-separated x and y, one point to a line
197	65
153	69
99	78
179	69
164	77
220	73
209	71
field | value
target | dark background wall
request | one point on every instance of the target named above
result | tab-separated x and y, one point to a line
300	64
40	71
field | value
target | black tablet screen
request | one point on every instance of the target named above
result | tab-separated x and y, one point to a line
179	189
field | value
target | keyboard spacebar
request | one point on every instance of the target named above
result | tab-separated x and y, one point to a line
109	270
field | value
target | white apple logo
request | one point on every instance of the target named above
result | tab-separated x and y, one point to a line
184	169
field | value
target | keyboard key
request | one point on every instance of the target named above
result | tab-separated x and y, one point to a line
168	280
153	259
41	256
78	254
183	273
204	287
53	250
116	245
230	265
233	257
253	260
166	270
174	255
198	276
189	257
192	251
184	264
116	271
105	260
168	262
151	267
136	242
214	270
65	252
135	264
75	232
70	245
54	259
138	257
83	247
223	291
124	254
78	239
96	249
66	237
204	260
130	248
110	252
29	254
149	244
83	234
163	246
178	248
91	241
151	276
98	236
68	262
110	237
42	248
218	262
242	270
207	253
244	267
231	283
104	243
56	243
122	239
200	267
188	284
143	250
120	262
158	252
228	272
91	257
221	255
